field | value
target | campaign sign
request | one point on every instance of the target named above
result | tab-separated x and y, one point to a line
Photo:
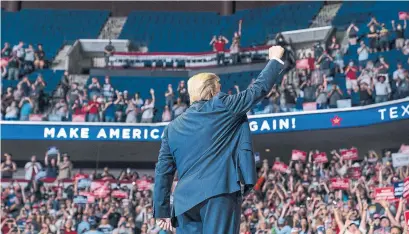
354	172
119	194
400	160
406	188
349	154
89	195
340	183
143	185
398	186
298	155
386	193
80	199
321	157
281	167
84	183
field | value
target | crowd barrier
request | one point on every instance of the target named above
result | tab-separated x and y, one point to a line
259	124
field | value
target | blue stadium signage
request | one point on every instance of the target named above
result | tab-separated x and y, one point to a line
260	124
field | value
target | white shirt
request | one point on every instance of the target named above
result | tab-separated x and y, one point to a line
398	74
148	110
382	88
29	167
363	55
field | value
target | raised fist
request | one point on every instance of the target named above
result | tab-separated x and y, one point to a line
275	52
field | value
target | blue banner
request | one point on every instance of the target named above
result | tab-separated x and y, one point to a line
398	189
261	124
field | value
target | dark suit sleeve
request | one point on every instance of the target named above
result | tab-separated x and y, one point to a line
164	173
242	102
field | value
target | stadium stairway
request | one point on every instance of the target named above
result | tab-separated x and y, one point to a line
112	28
325	15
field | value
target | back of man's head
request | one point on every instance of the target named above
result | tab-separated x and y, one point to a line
203	86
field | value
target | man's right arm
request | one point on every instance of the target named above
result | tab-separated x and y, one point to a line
242	102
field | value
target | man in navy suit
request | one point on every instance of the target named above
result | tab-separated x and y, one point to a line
210	147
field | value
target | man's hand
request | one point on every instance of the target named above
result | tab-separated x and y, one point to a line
165	224
275	52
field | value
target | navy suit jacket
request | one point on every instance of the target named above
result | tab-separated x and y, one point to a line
210	147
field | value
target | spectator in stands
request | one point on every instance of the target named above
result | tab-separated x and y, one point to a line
109	50
382	89
325	62
109	110
365	77
318	51
148	108
219	43
18	93
235	45
334	95
93	109
131	113
373	22
399	73
65	82
401	86
6	52
94	88
11	111
363	53
339	61
26	108
290	97
108	90
351	75
383	38
373	37
64	167
73	94
3	68
94	230
352	33
382	68
18	50
13	67
39	61
120	107
179	108
29	59
8	167
309	91
322	97
399	34
7	99
182	92
106	175
405	49
334	46
169	96
32	168
166	115
51	167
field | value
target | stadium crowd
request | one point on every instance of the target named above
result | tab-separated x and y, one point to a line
301	197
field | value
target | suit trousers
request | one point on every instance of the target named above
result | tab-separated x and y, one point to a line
216	215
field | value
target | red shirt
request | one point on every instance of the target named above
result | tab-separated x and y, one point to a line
219	45
351	74
311	63
93	107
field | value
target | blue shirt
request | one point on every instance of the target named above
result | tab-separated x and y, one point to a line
110	111
284	230
93	232
26	109
83	227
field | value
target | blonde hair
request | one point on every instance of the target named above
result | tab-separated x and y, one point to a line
202	86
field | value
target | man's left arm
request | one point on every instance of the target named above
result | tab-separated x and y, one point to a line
164	173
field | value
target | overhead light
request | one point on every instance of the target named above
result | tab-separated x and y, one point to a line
267	150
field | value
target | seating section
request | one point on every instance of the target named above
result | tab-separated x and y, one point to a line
361	12
52	28
179	31
51	78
